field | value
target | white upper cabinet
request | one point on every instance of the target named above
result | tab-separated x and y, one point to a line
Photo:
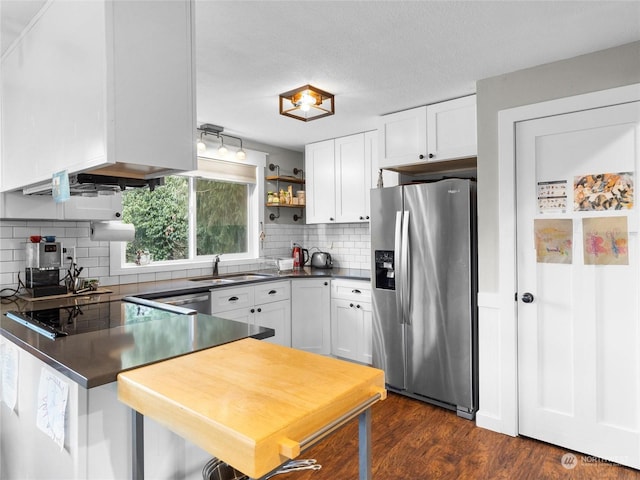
433	133
353	174
339	179
106	86
321	187
451	129
403	137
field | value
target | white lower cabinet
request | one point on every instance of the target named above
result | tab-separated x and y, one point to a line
311	315
351	320
265	304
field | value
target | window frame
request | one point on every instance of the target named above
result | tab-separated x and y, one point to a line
255	218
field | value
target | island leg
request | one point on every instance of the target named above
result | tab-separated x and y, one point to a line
364	444
137	444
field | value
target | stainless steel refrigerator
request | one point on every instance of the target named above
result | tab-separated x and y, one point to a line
424	263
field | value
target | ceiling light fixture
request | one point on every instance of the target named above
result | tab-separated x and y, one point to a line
215	130
307	103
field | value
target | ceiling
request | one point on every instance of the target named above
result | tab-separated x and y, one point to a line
377	57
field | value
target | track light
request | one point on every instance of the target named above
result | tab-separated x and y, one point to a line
202	147
222	150
209	129
241	154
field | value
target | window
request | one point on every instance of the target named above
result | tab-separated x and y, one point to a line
194	216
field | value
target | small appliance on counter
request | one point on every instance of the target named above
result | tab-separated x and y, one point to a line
321	260
300	256
43	263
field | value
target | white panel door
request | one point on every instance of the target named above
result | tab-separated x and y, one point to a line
579	325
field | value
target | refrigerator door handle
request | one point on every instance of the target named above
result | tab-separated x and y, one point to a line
406	270
398	267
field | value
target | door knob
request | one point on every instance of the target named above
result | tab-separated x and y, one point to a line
527	297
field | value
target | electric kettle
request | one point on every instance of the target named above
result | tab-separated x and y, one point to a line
300	256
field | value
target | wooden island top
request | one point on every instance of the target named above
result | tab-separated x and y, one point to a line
252	404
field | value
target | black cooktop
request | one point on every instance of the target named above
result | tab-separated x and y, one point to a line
77	319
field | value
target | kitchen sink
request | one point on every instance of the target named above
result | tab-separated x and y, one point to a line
231	278
243	277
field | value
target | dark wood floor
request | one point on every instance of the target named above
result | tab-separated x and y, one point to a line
412	440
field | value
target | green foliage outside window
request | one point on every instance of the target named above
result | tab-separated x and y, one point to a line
160	218
221	217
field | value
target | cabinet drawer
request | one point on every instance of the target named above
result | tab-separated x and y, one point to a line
272	292
357	290
223	299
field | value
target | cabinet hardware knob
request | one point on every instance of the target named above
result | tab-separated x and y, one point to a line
252	310
259	310
527	297
361	217
367	217
233	299
358	306
272	292
331	219
118	214
431	155
421	156
326	283
355	290
351	305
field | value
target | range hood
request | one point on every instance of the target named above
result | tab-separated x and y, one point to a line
91	185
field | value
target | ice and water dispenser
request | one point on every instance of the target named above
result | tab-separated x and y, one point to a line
385	270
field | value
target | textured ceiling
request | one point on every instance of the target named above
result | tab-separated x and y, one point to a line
377	57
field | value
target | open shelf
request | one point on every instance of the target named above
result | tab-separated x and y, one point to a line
285	178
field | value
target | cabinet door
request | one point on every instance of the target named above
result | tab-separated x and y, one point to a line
311	315
321	192
372	154
346	328
276	315
451	129
352	179
365	353
403	138
231	298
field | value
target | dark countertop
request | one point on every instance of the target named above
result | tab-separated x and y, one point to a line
95	358
176	287
144	336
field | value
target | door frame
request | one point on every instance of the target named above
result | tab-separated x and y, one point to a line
507	264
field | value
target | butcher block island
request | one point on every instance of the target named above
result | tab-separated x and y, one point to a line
252	404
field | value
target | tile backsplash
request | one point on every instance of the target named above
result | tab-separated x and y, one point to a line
348	244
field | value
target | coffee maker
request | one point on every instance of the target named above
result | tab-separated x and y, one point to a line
43	263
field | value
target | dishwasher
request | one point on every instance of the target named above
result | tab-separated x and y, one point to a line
200	302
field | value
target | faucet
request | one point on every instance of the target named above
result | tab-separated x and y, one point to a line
216	261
